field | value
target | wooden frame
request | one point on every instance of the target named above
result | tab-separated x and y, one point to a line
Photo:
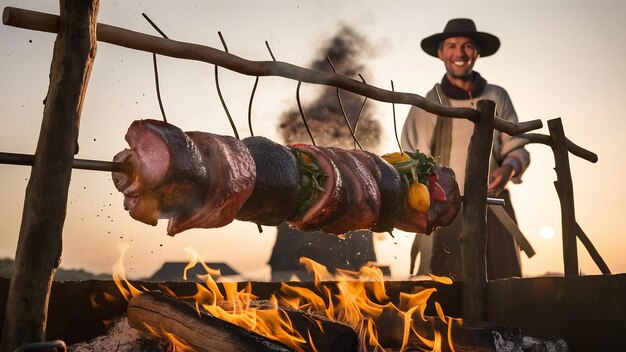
32	279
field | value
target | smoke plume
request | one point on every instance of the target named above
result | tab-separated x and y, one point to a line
323	114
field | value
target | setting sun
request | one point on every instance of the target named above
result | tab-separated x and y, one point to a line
546	232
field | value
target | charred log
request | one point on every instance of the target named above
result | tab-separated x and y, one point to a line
156	313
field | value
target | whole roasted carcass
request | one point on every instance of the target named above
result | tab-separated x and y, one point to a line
204	180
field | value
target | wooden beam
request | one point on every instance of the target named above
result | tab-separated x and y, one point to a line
591	249
565	191
512	228
39	21
474	233
39	246
571	146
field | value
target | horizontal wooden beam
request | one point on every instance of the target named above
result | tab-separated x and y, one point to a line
45	22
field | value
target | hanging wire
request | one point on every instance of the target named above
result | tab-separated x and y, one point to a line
158	89
154	26
342	109
270	50
256	82
395	128
356	123
306	125
219	91
156	70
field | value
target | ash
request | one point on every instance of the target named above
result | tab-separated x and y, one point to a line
528	344
121	337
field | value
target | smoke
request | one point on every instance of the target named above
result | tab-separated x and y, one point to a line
323	114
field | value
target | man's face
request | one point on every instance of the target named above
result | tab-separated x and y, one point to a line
459	55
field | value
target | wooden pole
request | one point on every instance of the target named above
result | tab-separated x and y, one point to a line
474	233
565	191
593	252
39	21
40	239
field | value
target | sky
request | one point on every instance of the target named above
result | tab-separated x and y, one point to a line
558	59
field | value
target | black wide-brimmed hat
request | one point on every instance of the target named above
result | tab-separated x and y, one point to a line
487	43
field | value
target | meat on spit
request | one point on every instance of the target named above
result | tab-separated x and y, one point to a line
205	180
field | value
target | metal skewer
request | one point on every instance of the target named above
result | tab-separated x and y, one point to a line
492	201
112	166
495	201
84	164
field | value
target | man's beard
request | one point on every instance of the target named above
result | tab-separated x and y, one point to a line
464	76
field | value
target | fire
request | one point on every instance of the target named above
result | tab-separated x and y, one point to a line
356	299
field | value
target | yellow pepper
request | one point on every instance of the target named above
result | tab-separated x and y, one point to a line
396	157
419	197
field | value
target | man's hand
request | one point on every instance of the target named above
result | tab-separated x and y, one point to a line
498	179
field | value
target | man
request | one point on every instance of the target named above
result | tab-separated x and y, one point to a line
459	46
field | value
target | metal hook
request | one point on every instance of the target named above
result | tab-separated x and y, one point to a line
256	82
156	70
395	127
219	91
306	125
345	116
356	123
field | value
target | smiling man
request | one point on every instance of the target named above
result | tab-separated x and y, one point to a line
459	46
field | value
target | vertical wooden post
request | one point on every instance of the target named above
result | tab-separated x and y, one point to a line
565	191
474	234
39	246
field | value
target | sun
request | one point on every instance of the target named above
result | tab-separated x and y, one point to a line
546	232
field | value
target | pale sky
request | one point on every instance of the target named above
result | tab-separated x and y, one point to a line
561	58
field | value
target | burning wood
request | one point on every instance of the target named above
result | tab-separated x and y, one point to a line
156	313
165	317
329	317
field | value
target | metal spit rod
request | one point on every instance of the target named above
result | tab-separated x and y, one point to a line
84	164
112	166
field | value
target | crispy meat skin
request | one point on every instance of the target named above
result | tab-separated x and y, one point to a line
168	176
231	173
277	185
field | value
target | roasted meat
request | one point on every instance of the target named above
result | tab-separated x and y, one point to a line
205	180
440	213
362	204
168	176
390	188
231	176
277	185
328	203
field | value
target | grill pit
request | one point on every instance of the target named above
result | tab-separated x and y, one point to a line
586	312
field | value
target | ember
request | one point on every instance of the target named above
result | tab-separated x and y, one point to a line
357	300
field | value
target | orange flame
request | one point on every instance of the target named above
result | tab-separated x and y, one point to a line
356	299
119	276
